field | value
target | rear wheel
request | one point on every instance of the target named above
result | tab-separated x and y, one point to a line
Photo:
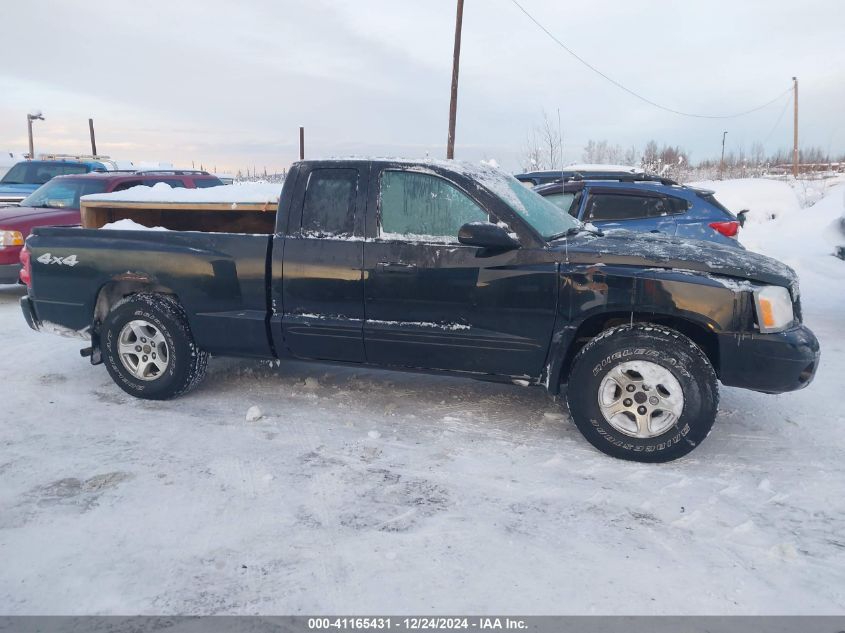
643	392
148	347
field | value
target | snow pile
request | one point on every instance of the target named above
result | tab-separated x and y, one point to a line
130	225
806	240
764	199
810	191
162	192
254	414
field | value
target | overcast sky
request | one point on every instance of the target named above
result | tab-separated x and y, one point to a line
227	84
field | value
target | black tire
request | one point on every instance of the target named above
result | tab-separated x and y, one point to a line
186	363
659	345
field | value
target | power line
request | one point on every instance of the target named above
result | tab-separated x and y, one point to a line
775	126
635	94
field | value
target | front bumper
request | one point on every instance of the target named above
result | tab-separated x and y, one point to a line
28	310
9	273
771	363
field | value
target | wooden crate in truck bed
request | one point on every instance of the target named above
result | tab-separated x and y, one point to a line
209	217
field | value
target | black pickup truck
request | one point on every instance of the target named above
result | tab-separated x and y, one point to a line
437	266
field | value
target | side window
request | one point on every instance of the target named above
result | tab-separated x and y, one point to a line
677	205
422	205
329	207
569	201
127	184
173	182
203	183
612	207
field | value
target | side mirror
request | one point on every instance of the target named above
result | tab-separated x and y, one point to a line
487	235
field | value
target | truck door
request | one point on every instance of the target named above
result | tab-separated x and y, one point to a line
431	302
322	284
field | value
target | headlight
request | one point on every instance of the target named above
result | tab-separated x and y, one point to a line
774	308
10	238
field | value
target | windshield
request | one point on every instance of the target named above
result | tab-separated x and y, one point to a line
62	194
16	175
37	173
548	219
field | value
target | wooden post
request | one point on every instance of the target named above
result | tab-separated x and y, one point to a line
795	155
29	129
93	141
456	60
301	143
722	162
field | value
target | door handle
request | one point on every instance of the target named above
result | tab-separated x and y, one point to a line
396	269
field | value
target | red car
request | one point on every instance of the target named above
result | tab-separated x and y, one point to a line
56	203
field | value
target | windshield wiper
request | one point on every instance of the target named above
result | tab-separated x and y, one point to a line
575	230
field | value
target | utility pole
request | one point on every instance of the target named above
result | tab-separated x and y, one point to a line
301	143
795	155
456	60
93	141
32	116
722	162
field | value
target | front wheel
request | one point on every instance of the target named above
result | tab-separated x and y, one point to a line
643	392
148	347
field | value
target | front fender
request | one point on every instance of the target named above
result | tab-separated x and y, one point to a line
595	297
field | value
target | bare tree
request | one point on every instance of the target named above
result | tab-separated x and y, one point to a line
543	148
551	142
532	159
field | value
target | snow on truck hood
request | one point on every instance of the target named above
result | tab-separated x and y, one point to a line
657	251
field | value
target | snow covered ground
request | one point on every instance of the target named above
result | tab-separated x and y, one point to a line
363	491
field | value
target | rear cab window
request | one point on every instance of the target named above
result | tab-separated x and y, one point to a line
330	201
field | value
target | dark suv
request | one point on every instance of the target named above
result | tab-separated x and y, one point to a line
647	205
57	203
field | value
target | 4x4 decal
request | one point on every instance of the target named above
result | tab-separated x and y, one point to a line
48	258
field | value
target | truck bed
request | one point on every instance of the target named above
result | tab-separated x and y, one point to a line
223	276
209	217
